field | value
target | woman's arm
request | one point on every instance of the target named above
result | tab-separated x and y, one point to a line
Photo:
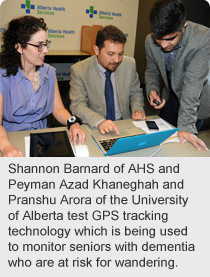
6	148
62	115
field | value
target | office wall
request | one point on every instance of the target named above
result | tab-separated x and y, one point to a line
197	11
64	18
143	28
129	15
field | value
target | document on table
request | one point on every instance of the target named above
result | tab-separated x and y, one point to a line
163	126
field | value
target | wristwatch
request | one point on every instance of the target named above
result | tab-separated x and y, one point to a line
73	119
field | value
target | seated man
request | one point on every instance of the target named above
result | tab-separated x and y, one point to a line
93	98
179	52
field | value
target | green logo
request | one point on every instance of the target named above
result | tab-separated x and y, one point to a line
91	11
27	6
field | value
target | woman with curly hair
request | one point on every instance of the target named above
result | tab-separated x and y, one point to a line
28	87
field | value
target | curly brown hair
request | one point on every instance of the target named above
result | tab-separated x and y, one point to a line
19	31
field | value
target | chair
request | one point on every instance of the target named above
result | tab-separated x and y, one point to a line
88	38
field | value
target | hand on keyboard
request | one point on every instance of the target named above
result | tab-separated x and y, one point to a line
107	126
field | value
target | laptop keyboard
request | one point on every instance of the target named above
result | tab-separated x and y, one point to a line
108	143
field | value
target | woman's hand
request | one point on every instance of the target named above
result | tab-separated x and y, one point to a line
76	130
11	151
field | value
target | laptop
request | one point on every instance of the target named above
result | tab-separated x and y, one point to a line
131	139
51	144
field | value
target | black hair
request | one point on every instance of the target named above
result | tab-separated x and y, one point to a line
19	31
111	33
167	17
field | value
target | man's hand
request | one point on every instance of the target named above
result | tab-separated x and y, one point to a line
192	139
154	96
107	126
76	130
138	115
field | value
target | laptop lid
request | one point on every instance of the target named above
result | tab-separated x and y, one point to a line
137	142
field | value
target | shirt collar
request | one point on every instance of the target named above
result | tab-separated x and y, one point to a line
178	45
20	75
100	68
44	73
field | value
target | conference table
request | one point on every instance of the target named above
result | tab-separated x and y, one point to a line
170	149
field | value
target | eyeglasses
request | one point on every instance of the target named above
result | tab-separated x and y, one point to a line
41	46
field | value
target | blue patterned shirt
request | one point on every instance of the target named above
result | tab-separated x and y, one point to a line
25	109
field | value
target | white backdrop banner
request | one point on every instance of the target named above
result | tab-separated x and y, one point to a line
64	18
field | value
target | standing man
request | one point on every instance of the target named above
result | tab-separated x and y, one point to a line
179	52
106	87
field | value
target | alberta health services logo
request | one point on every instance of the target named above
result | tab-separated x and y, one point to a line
48	11
27	6
43	10
102	14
